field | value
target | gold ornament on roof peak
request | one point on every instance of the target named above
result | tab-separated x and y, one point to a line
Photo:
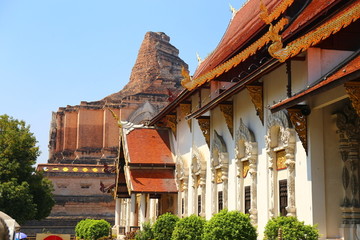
198	58
233	11
187	79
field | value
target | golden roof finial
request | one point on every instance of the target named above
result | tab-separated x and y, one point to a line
198	58
187	79
233	11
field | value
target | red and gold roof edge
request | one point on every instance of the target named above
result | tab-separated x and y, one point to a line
276	50
191	84
280	9
332	26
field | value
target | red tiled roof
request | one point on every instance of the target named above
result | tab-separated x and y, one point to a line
243	26
351	67
153	180
149	146
313	10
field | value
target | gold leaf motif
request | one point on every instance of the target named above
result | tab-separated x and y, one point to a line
299	120
204	124
233	62
281	8
245	168
332	26
219	176
280	160
353	90
256	94
227	110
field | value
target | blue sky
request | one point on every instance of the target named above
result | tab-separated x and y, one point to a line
55	53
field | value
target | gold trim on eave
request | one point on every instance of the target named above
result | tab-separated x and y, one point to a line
190	83
332	26
280	9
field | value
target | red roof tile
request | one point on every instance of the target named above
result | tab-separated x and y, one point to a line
149	146
313	10
243	26
153	180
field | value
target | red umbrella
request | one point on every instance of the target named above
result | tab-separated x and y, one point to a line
53	237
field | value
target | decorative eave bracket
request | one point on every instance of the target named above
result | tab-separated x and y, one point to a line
170	121
298	117
353	90
185	109
256	94
227	110
204	123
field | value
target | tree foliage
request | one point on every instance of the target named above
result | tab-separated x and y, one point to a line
292	229
91	229
146	233
24	193
189	228
164	226
229	225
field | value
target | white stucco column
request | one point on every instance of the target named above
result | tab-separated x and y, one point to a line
142	212
132	210
117	211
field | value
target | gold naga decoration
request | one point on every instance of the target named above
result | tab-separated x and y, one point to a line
353	90
280	9
191	84
332	26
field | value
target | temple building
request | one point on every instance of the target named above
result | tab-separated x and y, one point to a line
84	139
268	125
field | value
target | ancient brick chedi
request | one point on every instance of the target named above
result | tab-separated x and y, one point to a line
87	133
85	137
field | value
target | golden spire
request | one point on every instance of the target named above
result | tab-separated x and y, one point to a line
233	11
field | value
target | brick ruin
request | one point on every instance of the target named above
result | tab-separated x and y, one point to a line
85	137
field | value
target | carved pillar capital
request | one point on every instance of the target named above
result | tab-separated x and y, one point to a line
171	122
256	94
298	117
204	123
353	89
227	110
185	109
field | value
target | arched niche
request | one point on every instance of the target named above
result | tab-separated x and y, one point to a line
198	172
280	148
219	169
246	155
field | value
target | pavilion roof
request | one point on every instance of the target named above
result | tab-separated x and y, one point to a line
148	146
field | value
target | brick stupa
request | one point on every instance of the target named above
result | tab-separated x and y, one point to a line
85	137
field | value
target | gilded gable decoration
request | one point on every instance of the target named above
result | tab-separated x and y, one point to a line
280	9
204	123
353	90
256	94
227	111
332	26
298	117
191	84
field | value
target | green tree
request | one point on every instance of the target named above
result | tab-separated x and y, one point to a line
164	226
189	228
292	229
24	193
229	225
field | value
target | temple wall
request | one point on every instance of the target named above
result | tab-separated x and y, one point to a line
70	130
90	128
